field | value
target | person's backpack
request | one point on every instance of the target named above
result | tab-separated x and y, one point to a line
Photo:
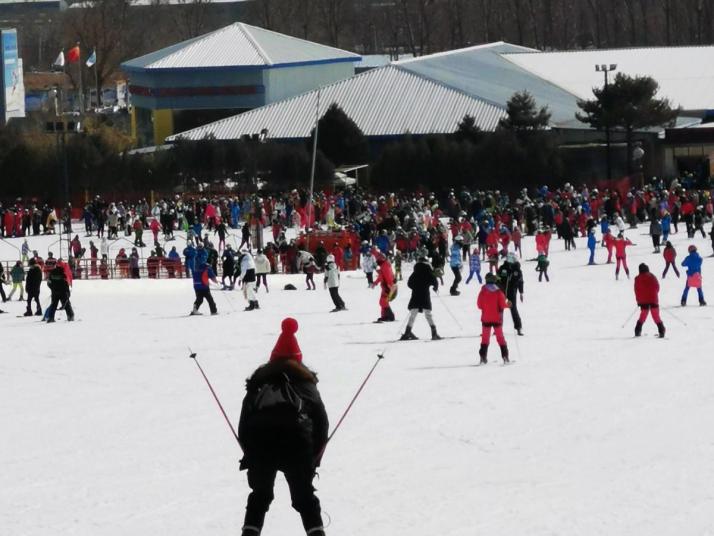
278	405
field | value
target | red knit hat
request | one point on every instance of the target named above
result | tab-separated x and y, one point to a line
287	346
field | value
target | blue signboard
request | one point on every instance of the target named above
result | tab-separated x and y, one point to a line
12	100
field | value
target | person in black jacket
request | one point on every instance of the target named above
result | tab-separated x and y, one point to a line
421	281
510	280
283	427
33	281
57	281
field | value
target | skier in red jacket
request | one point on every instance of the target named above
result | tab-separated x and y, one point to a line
609	241
492	302
621	244
647	296
669	254
385	279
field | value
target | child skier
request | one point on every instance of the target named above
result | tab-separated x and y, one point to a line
455	263
647	296
669	254
369	263
542	267
385	279
202	276
492	302
592	242
693	263
621	244
475	266
609	243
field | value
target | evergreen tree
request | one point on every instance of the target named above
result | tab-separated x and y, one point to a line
629	103
468	130
523	114
340	139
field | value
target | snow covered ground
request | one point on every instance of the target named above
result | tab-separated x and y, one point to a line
109	430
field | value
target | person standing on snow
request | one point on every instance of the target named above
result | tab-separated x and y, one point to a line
59	286
18	277
510	279
385	279
475	267
421	282
647	296
655	233
492	302
621	244
609	242
262	269
455	262
33	282
332	282
693	263
542	267
592	242
247	272
368	264
283	427
202	276
669	254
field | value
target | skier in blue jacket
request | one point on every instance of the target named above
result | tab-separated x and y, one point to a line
475	267
693	263
456	263
202	276
592	242
189	253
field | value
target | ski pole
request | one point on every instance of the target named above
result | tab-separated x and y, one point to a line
449	311
225	416
629	318
675	317
349	407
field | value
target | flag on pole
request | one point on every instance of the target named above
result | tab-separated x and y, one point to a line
73	54
59	62
92	59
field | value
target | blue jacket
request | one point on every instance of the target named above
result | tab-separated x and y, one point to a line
693	262
201	256
382	243
201	277
604	225
475	263
174	256
592	242
190	253
455	258
666	224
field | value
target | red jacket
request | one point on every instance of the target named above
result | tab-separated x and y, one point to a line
646	289
620	245
492	301
669	254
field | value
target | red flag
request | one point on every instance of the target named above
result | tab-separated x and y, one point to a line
73	55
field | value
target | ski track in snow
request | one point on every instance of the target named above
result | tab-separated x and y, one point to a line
109	430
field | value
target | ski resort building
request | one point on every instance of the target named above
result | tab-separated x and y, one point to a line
225	72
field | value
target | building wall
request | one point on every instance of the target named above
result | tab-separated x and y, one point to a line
196	89
284	82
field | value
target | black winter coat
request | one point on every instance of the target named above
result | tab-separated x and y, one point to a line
33	281
421	280
57	281
510	279
296	443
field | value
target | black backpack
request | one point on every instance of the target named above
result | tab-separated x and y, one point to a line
277	404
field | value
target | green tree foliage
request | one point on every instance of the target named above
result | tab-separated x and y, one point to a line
629	103
340	139
468	130
523	114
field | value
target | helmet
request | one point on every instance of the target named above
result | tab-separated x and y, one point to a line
692	248
330	258
458	238
511	258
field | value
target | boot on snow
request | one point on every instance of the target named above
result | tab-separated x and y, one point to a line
195	312
504	354
317	531
638	329
434	335
250	531
408	335
661	330
251	306
483	352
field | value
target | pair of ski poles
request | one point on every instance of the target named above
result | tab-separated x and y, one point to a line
380	357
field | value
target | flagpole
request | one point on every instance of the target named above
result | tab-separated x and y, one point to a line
96	82
81	86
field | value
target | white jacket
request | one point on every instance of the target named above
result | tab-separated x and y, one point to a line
369	263
246	263
262	264
332	275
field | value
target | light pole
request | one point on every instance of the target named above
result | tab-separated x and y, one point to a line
605	69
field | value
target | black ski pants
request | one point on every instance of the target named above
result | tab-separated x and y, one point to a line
33	295
457	279
514	311
336	298
261	480
64	300
204	294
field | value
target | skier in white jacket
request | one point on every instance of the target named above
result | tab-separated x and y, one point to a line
332	282
262	269
369	265
247	273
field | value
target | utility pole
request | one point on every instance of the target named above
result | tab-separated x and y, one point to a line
605	69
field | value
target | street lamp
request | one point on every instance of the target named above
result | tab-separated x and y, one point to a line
605	69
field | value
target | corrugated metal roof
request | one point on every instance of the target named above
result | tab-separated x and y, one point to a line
685	74
388	101
483	72
239	45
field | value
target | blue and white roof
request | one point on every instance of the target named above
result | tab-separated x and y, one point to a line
239	45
